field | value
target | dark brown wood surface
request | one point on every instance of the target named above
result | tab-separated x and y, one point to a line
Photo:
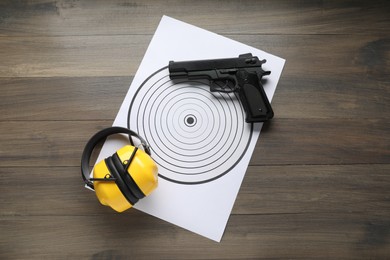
318	185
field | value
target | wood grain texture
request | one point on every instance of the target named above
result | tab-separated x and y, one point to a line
69	17
318	184
283	142
136	236
41	98
292	189
358	57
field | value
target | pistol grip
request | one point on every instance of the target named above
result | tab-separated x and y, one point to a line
255	100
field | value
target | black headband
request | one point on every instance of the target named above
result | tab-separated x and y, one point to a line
96	139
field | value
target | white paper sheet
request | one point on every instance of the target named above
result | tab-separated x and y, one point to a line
199	140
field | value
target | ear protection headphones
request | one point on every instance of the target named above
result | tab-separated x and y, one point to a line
125	177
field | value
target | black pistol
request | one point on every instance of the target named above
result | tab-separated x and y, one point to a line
242	75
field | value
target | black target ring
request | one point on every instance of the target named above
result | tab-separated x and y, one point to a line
190	130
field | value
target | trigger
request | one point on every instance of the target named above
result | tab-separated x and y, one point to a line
225	86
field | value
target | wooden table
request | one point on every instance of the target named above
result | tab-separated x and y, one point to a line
318	185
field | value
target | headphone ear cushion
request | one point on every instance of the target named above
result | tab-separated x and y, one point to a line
127	193
126	177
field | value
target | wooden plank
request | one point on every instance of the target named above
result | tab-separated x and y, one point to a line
242	17
315	188
79	98
323	141
357	57
331	97
45	143
338	189
282	142
71	56
138	236
99	98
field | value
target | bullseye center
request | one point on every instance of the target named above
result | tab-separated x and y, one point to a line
190	120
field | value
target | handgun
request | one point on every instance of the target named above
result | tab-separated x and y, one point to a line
242	75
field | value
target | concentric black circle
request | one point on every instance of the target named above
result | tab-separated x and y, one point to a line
196	135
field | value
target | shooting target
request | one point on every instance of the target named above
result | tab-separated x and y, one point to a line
195	135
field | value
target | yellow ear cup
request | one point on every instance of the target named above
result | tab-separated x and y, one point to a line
142	169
